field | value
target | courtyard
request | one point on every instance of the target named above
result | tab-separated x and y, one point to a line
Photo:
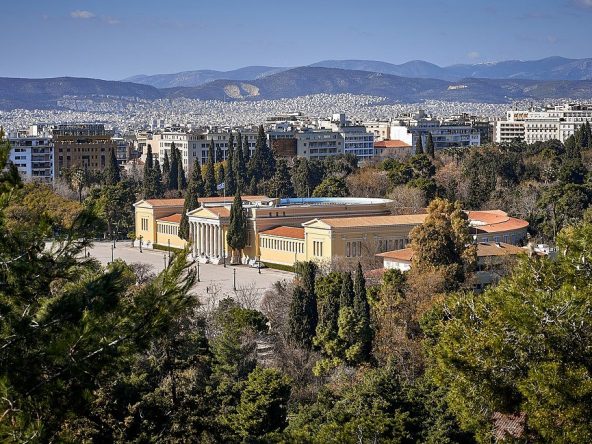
215	281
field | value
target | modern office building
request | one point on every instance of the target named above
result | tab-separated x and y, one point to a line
318	144
84	145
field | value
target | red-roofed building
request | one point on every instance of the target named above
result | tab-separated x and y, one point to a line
386	149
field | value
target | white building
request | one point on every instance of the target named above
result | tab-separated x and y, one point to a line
539	125
32	155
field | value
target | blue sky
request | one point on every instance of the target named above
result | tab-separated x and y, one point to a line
113	39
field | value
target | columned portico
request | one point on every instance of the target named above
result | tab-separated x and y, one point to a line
208	233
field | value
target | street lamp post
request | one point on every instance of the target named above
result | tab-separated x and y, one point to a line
234	279
141	237
169	243
198	271
165	261
112	247
259	265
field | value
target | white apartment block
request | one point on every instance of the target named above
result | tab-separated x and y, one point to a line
444	136
558	122
33	156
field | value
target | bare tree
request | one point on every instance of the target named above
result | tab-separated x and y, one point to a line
144	272
248	296
407	200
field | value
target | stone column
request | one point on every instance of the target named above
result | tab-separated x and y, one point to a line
201	239
218	250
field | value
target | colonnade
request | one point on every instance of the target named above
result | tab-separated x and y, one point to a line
208	239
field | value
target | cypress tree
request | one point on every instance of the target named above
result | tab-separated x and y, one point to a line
173	182
418	145
572	150
149	159
148	190
166	170
587	139
111	173
346	298
246	150
192	194
303	315
229	179
221	174
181	179
262	164
157	184
236	236
430	149
219	154
362	312
210	180
240	170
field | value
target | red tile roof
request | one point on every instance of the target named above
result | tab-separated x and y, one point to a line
484	249
175	218
290	232
204	200
166	202
391	144
220	211
494	221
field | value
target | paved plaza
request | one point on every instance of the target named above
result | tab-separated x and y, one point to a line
216	281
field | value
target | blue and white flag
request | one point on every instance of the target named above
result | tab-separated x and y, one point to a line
220	187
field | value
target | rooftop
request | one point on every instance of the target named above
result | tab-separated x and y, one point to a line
373	221
175	218
283	231
484	249
391	144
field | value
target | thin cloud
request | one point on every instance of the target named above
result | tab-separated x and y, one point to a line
587	4
473	55
80	14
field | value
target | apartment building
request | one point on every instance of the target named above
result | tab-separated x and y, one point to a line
541	124
318	144
445	133
84	145
32	155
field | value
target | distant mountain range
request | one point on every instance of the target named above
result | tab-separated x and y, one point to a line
551	68
417	85
196	78
44	93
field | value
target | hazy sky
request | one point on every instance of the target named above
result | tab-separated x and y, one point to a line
113	39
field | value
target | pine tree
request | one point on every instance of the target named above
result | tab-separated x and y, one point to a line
181	180
281	183
240	169
192	194
236	236
166	170
430	149
210	179
173	182
230	178
418	145
111	173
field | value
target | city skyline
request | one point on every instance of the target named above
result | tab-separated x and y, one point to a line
229	34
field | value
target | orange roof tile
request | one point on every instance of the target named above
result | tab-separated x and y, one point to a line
166	202
494	221
283	231
405	254
484	249
391	144
176	218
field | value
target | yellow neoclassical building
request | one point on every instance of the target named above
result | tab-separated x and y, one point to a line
284	231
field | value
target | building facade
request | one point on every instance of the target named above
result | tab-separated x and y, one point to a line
33	156
81	145
283	231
